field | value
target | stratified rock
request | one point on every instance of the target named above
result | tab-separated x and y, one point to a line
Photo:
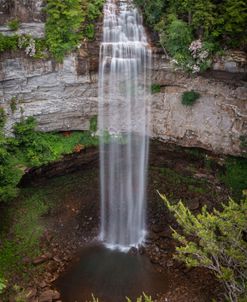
63	97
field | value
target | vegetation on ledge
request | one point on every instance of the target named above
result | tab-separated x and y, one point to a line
67	24
190	97
194	31
216	241
31	148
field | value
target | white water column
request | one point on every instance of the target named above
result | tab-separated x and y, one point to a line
124	89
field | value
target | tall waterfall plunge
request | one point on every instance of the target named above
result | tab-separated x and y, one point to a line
124	87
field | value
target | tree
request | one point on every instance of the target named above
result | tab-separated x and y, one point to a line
216	241
234	13
64	19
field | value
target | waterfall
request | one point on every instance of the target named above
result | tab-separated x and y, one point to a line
124	87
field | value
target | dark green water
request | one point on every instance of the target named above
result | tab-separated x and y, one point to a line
110	275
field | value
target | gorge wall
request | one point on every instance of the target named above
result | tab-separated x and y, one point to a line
63	97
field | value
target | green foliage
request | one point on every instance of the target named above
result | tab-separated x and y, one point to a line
143	298
94	124
235	175
92	11
155	88
243	141
235	20
190	97
3	285
68	22
25	234
2	118
179	22
14	24
153	10
64	19
8	43
30	148
13	104
216	241
177	37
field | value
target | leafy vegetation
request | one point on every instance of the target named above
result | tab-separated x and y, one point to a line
26	232
243	142
8	43
63	26
91	12
193	31
190	97
30	148
235	175
14	24
155	88
216	241
3	285
13	104
68	22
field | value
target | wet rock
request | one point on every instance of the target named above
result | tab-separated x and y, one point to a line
49	296
193	204
157	228
142	250
154	259
170	263
42	284
152	236
41	259
31	294
167	233
133	251
57	259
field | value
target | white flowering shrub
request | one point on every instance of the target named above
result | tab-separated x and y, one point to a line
31	49
197	59
35	48
200	56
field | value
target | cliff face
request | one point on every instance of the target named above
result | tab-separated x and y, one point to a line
64	97
215	122
24	10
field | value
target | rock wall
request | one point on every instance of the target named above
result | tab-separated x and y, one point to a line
23	10
64	97
215	122
55	94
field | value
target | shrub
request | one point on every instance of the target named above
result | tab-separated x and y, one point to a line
93	124
216	241
190	97
14	24
64	19
8	43
13	104
2	285
2	118
177	37
243	141
155	88
91	12
235	175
